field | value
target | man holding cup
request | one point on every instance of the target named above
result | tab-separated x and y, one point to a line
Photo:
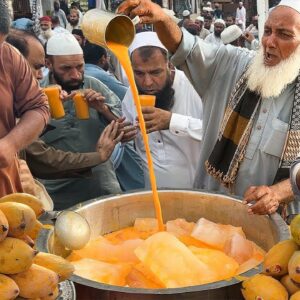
174	124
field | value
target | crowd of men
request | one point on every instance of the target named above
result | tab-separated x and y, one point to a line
226	118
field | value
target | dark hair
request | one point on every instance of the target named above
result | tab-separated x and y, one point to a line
55	20
92	53
208	18
147	51
19	39
78	32
4	17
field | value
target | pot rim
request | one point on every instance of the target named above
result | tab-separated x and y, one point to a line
276	218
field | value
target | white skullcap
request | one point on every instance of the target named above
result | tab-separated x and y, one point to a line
208	3
186	13
221	21
200	18
63	43
143	39
295	4
230	34
207	8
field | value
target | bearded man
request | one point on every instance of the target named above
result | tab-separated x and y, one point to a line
251	104
215	37
66	68
46	31
174	125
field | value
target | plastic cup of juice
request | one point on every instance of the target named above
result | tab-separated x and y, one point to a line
55	103
147	100
81	106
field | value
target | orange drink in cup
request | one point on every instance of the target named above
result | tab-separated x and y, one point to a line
55	103
147	100
81	106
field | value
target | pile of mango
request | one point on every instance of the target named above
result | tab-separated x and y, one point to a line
25	272
280	279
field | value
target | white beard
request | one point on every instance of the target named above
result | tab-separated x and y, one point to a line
271	81
47	33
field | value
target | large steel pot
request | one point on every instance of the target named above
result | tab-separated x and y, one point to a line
113	213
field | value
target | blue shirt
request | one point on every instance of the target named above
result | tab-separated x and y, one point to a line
109	80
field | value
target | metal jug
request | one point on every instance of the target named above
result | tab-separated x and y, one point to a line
101	27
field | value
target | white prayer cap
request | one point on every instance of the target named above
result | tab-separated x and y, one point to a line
221	21
295	4
186	13
207	8
200	18
208	3
230	34
63	43
144	39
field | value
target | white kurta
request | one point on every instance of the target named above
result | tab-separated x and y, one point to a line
176	151
212	39
241	16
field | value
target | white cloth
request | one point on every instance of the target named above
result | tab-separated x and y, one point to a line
148	38
59	29
63	44
230	34
212	39
176	151
241	16
295	4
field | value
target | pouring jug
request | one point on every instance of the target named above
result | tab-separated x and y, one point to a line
100	27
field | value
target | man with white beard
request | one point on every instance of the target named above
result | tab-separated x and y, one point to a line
251	104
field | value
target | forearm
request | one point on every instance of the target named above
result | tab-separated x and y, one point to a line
107	114
29	127
169	33
284	191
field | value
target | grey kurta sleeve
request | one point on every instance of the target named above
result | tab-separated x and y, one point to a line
47	162
205	63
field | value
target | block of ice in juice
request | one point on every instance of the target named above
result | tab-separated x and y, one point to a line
223	265
114	274
239	248
101	249
146	224
180	227
172	262
142	277
214	234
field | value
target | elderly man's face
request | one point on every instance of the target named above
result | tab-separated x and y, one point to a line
281	36
45	25
67	70
150	75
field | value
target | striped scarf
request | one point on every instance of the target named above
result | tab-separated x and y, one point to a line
230	148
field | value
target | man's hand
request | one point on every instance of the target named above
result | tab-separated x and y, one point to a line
95	100
268	198
129	131
7	152
26	177
108	140
249	37
148	11
156	119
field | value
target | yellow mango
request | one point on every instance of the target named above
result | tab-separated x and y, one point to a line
263	287
295	296
294	267
15	256
52	296
290	285
55	263
21	218
27	239
277	258
36	282
3	226
8	288
34	232
26	199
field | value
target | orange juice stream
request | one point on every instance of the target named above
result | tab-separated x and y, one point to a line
122	54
